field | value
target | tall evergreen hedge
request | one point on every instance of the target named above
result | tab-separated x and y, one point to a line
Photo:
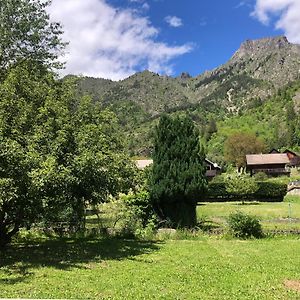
267	192
178	176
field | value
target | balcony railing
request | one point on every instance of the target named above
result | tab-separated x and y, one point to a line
273	171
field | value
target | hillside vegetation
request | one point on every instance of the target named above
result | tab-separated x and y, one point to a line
257	90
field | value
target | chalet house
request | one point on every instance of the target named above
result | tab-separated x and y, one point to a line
293	157
273	164
212	169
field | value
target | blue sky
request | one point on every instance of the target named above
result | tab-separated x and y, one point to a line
115	38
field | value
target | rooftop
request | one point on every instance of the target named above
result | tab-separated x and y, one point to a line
267	159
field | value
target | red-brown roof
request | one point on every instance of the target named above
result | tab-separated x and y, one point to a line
267	159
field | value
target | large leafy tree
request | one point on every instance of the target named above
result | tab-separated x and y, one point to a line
22	96
57	154
238	145
26	33
178	178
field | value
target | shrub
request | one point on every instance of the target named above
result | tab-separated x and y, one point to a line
261	176
268	191
130	215
244	226
241	185
271	191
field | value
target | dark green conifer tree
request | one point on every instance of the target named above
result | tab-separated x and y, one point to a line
178	176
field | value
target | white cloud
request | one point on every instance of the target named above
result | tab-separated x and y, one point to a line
286	12
145	6
110	43
174	21
243	3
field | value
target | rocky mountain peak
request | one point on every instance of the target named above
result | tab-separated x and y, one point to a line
254	47
185	75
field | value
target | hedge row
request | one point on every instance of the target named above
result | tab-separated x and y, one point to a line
267	192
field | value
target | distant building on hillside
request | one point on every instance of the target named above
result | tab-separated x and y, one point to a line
274	151
273	164
212	169
143	163
293	157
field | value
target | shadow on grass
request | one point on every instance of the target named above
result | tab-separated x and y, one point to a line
18	261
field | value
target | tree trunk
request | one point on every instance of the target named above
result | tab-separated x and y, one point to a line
6	236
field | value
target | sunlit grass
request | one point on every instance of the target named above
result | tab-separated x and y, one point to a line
273	215
205	268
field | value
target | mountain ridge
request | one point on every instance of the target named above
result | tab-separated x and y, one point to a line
256	72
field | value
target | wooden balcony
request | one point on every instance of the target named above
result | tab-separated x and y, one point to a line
275	171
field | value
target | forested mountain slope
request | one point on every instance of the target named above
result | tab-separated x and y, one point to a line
260	74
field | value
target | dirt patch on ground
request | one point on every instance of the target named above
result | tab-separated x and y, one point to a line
292	284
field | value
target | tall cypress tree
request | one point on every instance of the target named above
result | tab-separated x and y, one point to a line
178	177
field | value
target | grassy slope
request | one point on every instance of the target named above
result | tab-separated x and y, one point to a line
207	268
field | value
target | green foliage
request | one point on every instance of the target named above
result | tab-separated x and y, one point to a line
26	33
178	170
292	199
23	93
57	154
238	145
130	214
141	204
267	191
240	184
244	226
271	190
270	122
260	176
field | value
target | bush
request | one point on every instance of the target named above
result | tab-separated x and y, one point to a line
268	191
244	226
241	185
275	191
130	215
260	176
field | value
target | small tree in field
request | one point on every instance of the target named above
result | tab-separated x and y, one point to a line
178	176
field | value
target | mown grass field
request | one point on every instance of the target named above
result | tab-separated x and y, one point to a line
273	215
200	268
185	267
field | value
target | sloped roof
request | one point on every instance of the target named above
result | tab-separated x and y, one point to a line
212	163
143	163
274	151
267	159
289	151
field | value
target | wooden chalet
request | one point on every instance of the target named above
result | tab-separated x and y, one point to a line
273	164
293	157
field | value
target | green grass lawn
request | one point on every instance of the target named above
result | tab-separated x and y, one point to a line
273	215
204	268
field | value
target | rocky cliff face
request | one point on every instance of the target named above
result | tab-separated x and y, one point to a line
270	59
256	70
